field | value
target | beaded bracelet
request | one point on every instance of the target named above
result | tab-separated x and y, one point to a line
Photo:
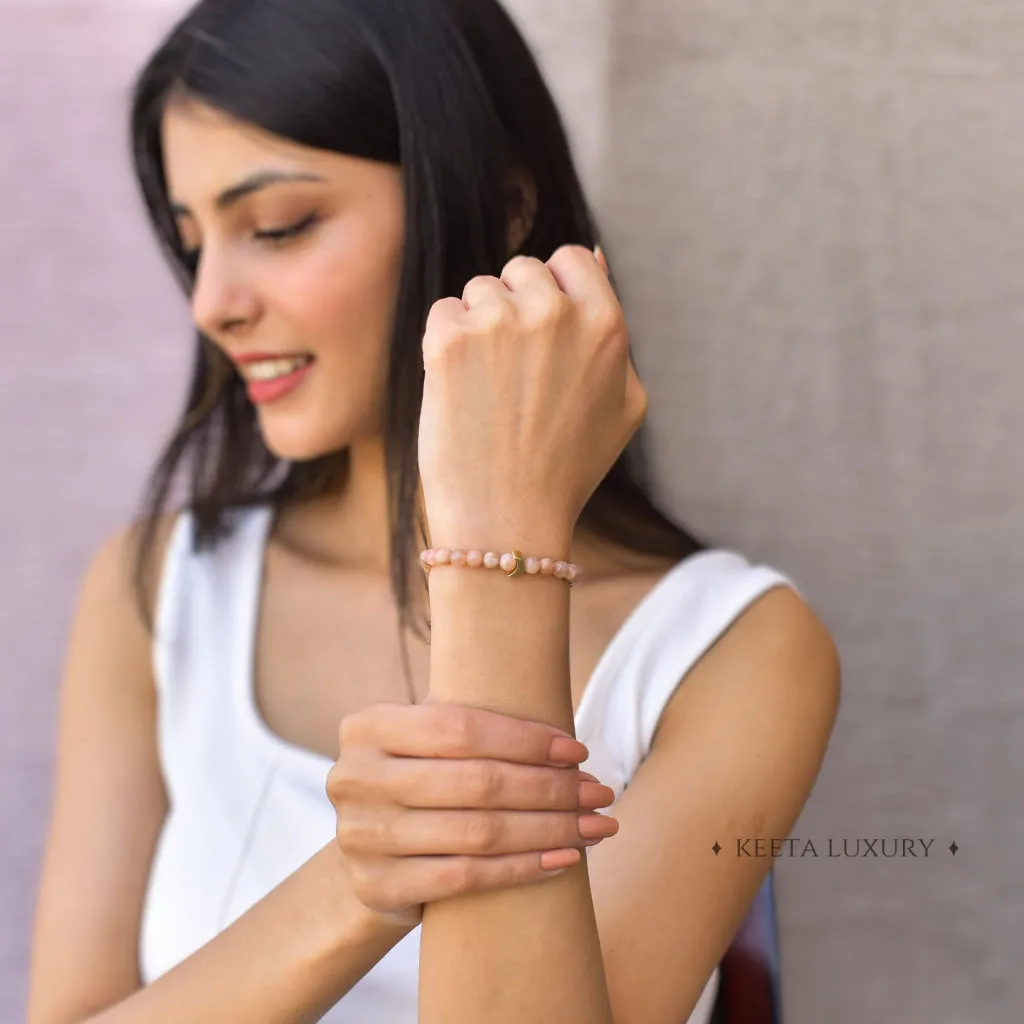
512	562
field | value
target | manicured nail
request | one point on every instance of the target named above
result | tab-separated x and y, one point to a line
593	795
565	750
559	860
597	826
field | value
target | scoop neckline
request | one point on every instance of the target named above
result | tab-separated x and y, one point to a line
283	749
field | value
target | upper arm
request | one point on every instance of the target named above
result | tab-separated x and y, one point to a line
109	800
736	756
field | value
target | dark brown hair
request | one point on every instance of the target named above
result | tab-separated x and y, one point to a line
448	90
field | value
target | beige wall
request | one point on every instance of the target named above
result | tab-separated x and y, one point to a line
817	214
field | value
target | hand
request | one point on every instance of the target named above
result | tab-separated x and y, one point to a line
529	398
437	800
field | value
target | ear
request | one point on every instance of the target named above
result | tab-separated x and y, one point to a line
521	205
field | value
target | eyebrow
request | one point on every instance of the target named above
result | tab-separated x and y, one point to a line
253	183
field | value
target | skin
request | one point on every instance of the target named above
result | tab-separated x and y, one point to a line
767	691
254	294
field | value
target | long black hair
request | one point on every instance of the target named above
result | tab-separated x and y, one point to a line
448	90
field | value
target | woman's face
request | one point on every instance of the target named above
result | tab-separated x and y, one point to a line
300	253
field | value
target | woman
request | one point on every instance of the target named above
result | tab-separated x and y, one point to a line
404	342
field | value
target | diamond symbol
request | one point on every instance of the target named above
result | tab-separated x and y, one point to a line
716	848
953	848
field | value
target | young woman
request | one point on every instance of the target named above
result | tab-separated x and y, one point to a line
406	342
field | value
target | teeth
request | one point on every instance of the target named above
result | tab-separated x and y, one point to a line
269	369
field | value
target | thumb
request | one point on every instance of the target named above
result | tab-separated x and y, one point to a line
600	257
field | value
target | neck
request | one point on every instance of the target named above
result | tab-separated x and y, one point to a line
345	529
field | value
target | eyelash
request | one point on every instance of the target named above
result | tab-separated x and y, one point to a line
292	231
276	235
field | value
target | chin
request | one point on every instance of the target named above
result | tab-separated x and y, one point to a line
298	437
298	443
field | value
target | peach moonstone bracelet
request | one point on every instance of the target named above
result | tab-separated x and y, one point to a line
512	562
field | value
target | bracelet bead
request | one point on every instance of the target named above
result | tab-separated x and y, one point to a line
512	563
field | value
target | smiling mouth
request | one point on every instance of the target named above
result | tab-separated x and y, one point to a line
273	369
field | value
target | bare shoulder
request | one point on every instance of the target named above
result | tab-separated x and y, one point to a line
748	731
777	656
111	573
116	604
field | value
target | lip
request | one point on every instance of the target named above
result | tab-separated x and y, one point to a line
255	357
262	391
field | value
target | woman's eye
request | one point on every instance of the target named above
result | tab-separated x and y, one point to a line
292	231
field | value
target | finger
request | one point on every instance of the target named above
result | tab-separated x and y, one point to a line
580	275
411	833
484	291
528	274
453	730
428	879
601	259
444	315
488	784
444	311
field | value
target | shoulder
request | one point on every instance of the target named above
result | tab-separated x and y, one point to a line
747	733
133	553
776	659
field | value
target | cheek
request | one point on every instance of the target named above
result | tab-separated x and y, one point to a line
343	288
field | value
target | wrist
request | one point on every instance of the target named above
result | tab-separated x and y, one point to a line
357	926
537	536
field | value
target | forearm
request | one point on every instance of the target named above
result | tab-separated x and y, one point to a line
531	952
289	958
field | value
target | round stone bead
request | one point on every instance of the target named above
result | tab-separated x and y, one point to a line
457	556
572	573
474	558
560	569
507	561
491	560
547	565
441	556
533	565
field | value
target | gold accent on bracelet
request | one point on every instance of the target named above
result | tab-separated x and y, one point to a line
520	568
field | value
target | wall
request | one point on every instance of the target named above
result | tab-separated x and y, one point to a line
815	212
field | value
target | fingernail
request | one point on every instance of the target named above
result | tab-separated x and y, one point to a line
601	258
593	795
597	826
559	860
566	750
588	777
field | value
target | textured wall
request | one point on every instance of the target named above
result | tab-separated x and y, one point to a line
94	349
818	211
816	214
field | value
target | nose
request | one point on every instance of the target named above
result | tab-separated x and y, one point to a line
222	301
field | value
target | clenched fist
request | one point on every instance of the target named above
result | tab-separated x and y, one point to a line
529	398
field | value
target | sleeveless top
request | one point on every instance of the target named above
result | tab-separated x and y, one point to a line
248	808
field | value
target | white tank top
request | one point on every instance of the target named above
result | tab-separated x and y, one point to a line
248	808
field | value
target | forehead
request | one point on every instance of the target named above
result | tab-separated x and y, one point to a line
206	150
